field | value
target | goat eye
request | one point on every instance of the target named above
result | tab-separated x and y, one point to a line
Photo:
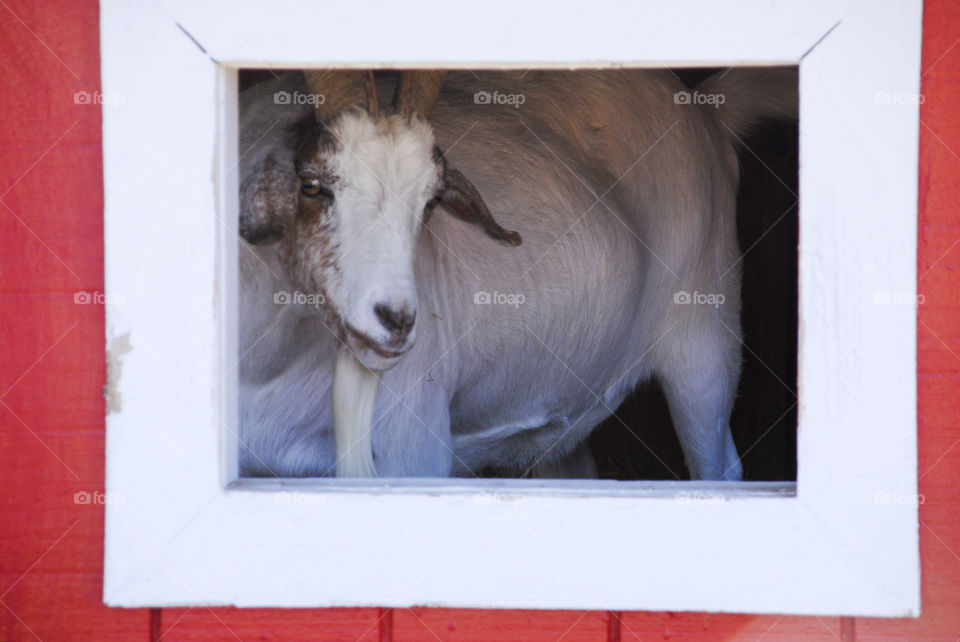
310	186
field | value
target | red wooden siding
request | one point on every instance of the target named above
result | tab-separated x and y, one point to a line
52	371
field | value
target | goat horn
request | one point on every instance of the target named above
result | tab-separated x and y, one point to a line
417	92
342	89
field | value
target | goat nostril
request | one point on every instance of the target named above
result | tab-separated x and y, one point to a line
398	321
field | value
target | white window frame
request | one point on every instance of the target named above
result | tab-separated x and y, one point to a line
182	530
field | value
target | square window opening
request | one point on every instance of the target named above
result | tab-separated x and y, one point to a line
534	141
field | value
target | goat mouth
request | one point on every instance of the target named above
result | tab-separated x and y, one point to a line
365	341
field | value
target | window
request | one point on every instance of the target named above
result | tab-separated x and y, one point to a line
841	540
601	143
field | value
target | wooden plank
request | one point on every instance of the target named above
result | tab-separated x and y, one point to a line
449	625
51	405
726	626
217	624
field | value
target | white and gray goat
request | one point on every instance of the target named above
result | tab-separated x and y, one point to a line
390	326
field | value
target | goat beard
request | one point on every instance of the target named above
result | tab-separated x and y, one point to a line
354	398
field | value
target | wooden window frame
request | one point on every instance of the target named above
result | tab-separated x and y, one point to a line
843	540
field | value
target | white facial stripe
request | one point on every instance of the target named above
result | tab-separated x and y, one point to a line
386	175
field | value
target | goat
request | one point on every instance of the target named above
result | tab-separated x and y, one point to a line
421	344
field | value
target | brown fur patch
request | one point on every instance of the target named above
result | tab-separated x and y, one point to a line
310	246
267	202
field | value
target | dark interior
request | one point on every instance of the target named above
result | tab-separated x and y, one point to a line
638	442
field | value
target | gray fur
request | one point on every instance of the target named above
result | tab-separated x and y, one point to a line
514	387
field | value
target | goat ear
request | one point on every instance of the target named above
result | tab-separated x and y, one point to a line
458	196
268	201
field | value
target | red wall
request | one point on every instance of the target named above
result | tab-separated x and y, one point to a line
52	371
